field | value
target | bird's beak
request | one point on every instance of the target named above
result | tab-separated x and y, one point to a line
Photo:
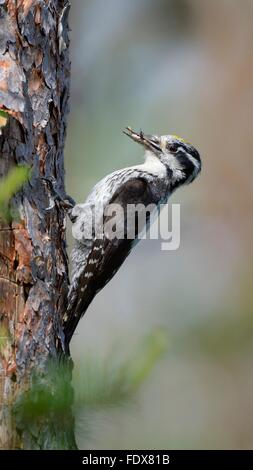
148	141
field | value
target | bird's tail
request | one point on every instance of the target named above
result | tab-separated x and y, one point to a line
77	306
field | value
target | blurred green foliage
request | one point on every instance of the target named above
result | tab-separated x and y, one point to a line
3	119
112	381
9	185
97	383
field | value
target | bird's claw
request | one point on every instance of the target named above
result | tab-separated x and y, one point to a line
65	202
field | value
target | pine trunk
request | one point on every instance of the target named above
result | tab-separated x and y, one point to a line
34	91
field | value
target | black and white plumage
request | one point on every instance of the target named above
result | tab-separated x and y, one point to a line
169	163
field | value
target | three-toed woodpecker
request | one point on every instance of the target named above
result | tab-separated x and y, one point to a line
170	162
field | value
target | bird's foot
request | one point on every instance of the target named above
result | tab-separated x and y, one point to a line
64	201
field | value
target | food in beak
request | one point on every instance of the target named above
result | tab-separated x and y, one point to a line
147	141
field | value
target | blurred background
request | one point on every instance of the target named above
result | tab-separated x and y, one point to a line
183	67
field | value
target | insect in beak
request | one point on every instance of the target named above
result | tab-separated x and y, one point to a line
148	141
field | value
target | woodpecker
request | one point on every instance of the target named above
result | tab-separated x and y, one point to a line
170	162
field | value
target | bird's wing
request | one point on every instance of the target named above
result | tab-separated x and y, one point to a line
120	186
105	255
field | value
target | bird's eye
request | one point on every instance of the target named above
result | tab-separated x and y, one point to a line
172	147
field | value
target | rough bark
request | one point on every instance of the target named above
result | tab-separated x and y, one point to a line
34	90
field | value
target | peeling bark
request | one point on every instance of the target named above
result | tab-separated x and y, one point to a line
34	91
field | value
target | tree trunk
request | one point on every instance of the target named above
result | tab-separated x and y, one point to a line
34	91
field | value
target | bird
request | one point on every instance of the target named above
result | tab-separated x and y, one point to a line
169	162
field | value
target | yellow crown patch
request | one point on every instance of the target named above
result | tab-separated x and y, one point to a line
179	138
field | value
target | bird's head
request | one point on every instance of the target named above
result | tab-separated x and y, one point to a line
181	159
